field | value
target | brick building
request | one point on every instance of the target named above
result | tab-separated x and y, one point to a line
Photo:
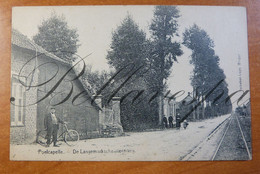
33	93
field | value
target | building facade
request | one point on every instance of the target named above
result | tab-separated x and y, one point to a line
51	83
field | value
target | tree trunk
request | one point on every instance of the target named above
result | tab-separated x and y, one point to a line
160	108
203	109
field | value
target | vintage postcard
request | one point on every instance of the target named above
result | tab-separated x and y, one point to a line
129	83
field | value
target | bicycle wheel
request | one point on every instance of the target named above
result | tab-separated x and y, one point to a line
41	138
71	137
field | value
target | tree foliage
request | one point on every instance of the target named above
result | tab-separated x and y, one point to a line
207	72
57	37
130	47
165	50
94	80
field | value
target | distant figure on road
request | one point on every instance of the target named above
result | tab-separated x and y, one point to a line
185	124
170	122
165	124
178	121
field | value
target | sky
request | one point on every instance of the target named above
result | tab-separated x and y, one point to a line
226	26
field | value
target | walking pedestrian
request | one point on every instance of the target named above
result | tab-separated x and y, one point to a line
178	121
170	122
165	124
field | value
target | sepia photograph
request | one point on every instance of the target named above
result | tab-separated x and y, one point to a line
129	83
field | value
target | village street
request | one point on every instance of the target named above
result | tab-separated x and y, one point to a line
170	144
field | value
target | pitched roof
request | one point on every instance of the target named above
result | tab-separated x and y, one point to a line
23	41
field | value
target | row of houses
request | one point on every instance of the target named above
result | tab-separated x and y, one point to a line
36	86
193	109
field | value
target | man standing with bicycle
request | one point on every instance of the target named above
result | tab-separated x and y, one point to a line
51	124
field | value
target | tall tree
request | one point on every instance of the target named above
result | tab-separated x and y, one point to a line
130	46
57	37
206	72
165	50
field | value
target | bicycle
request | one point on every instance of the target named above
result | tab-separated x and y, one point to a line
70	137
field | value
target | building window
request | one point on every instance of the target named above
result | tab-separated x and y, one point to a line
18	101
